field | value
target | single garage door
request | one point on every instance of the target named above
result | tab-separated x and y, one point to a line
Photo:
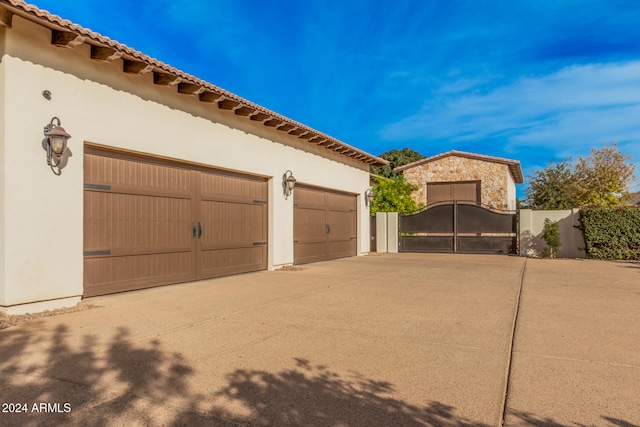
324	225
448	191
151	222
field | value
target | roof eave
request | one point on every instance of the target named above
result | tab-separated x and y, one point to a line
67	34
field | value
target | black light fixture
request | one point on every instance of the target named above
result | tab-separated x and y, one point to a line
368	197
54	143
288	182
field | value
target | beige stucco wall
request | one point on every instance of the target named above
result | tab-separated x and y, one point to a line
97	102
531	232
494	186
511	191
2	157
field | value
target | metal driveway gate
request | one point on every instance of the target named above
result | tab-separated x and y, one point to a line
459	227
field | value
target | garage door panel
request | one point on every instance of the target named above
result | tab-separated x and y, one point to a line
114	221
101	169
234	237
309	224
469	191
310	252
309	198
341	202
341	248
221	262
342	225
448	191
233	223
233	186
105	275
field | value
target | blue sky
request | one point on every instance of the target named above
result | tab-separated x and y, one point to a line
527	80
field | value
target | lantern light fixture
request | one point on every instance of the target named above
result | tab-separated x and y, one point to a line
288	182
55	143
368	197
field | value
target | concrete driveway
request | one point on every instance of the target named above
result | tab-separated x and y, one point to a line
394	339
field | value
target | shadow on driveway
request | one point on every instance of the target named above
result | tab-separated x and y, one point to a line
126	383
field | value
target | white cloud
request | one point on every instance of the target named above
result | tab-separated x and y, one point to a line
572	107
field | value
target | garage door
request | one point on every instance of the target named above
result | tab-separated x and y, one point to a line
149	222
448	191
324	224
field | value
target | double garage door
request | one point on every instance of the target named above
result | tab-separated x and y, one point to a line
150	222
324	225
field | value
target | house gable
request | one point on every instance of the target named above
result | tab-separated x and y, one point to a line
497	176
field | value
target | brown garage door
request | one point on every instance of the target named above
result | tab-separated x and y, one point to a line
324	224
233	212
448	191
149	222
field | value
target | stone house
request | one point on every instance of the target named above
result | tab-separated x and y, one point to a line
456	175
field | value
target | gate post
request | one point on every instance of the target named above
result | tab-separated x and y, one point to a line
455	226
381	232
392	232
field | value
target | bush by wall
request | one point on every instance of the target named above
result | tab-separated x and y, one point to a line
551	234
611	232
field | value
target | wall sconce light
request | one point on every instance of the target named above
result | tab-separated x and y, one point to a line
288	182
368	197
54	143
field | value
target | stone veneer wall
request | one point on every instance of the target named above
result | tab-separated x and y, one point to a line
493	177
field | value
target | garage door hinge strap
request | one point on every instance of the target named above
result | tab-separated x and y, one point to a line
102	252
98	186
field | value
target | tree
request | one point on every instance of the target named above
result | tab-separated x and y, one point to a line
604	177
396	158
552	187
393	195
551	234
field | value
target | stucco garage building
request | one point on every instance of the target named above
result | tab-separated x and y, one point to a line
166	178
457	175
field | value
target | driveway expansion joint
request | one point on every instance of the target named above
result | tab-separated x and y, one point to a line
503	410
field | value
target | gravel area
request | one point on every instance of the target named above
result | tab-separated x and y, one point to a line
7	321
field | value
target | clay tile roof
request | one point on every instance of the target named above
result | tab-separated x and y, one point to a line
514	165
54	22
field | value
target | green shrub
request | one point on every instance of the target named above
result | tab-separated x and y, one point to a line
611	232
551	234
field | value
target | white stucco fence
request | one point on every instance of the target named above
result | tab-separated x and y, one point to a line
531	232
